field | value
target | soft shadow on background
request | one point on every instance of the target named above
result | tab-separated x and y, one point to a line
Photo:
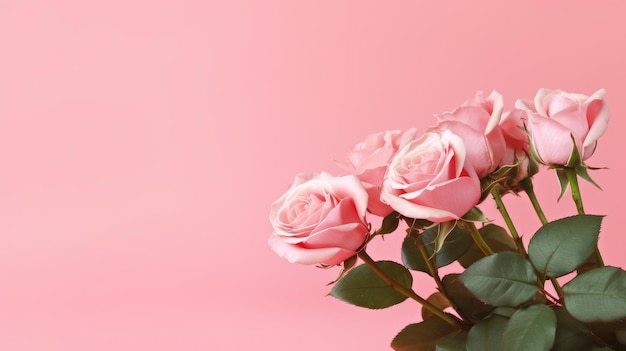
142	143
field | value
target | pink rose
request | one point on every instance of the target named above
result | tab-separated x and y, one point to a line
557	116
320	220
517	150
513	130
369	160
430	179
477	123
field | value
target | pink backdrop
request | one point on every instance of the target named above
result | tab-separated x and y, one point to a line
142	142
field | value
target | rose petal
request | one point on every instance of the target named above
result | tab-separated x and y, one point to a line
479	154
457	196
296	254
347	236
472	116
525	105
497	102
413	210
552	141
540	102
350	187
598	119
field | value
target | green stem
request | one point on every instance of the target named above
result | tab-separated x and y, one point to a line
527	185
572	178
508	221
432	267
450	319
434	272
478	238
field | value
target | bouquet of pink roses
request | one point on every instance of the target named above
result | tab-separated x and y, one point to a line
431	185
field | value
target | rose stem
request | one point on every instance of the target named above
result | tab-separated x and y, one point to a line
478	239
572	177
450	319
508	221
527	185
434	272
432	266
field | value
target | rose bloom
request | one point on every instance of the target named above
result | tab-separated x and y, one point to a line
430	179
555	117
517	150
320	219
477	123
368	160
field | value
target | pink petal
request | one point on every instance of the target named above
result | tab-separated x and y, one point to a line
374	205
598	119
512	125
373	176
413	210
349	236
540	101
296	254
551	140
473	116
344	213
457	196
476	146
525	105
573	117
497	107
441	203
350	186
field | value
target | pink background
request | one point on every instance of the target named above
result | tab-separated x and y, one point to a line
142	143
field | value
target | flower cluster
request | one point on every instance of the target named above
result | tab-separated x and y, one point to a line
434	182
435	176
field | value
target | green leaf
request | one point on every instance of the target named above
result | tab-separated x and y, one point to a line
584	174
530	328
561	174
574	158
453	343
504	311
439	300
486	185
486	335
347	265
533	151
445	228
559	247
390	223
504	171
496	237
621	336
502	279
471	307
411	255
422	336
475	215
590	263
597	296
455	245
571	335
363	287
